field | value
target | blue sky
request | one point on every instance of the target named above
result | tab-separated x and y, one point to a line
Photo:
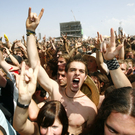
99	15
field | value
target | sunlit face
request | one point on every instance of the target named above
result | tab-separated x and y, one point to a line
76	75
55	129
123	67
119	124
62	79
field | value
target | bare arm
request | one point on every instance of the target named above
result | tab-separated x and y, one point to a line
73	51
6	67
109	52
24	40
118	41
13	59
65	43
31	24
33	114
122	51
26	90
99	57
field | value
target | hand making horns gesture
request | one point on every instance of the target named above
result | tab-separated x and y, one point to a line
27	83
109	49
33	20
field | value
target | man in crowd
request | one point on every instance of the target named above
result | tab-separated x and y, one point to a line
80	109
71	97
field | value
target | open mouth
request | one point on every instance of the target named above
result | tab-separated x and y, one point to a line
76	82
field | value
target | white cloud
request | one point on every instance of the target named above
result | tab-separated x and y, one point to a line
127	24
130	4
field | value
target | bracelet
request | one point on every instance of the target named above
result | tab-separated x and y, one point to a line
112	64
22	106
30	32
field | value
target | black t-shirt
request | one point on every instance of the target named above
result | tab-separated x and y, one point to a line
6	99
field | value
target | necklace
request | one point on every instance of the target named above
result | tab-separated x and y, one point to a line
73	97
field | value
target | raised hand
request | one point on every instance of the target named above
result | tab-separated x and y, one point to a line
33	20
7	51
110	50
64	36
97	41
23	37
77	44
27	83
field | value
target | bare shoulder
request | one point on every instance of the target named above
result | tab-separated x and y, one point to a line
56	92
87	102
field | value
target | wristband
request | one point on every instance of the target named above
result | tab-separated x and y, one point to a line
22	106
112	64
30	32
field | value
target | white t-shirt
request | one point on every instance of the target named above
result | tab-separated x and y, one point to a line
15	92
6	125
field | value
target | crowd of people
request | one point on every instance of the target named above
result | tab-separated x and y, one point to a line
68	86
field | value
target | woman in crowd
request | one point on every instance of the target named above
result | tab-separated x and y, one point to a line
52	118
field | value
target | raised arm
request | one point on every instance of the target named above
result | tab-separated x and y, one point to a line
110	51
122	50
31	24
23	38
5	66
74	50
118	41
13	59
65	43
99	57
27	85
